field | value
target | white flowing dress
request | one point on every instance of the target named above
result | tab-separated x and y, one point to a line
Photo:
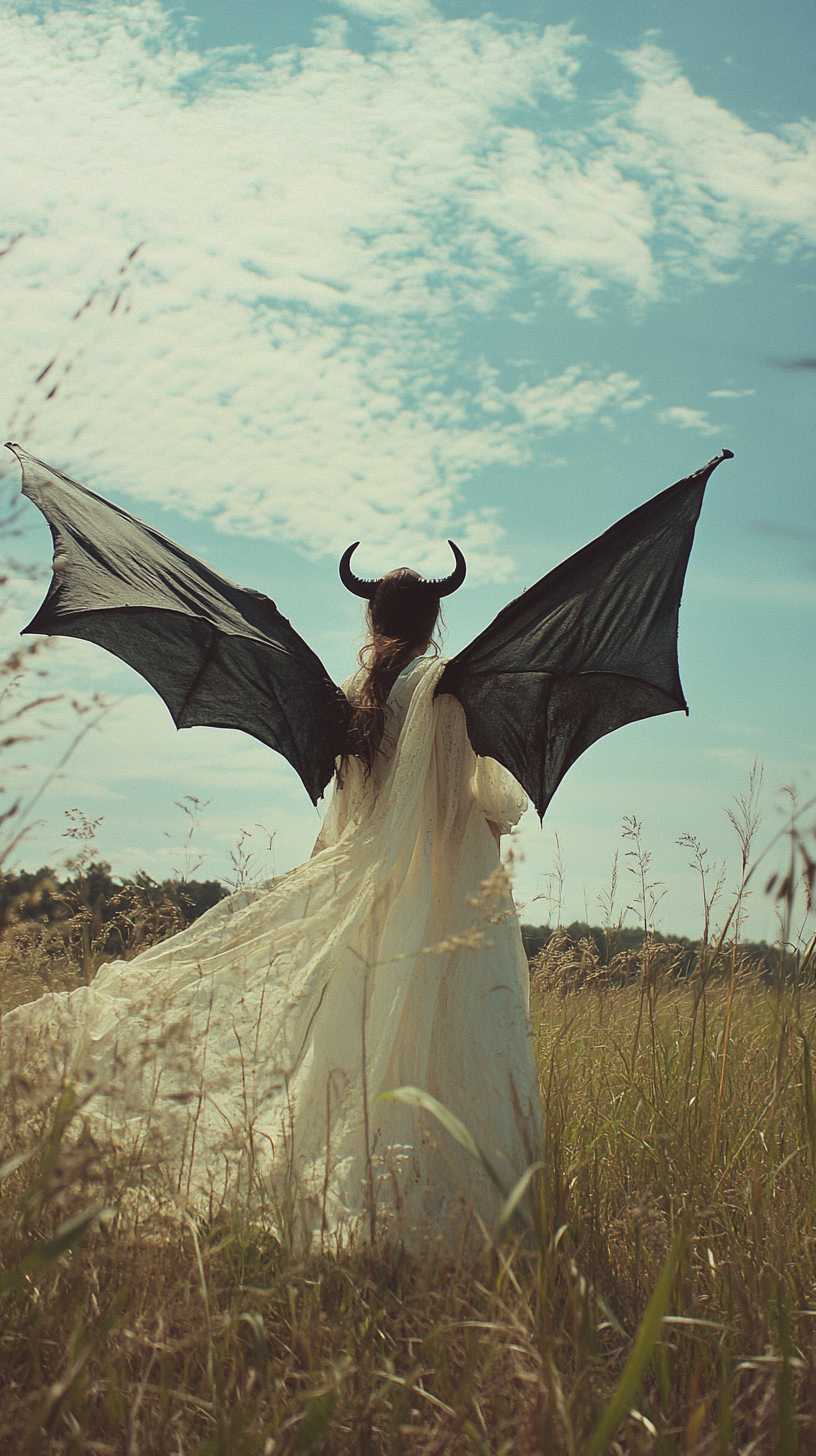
245	1056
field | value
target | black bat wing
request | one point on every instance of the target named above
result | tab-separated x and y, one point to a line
218	654
591	646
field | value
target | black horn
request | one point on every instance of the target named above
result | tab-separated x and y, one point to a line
440	588
448	584
354	583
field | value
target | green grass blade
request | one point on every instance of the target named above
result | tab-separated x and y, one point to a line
810	1101
725	1411
511	1203
786	1414
424	1102
43	1255
627	1387
11	1164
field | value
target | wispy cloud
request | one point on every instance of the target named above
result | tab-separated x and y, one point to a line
720	190
284	350
730	393
688	419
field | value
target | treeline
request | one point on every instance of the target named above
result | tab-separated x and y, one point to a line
112	916
113	913
623	942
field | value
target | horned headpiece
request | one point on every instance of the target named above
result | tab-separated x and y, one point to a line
441	587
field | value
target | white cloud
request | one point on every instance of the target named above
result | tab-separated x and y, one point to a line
284	350
719	190
557	403
730	393
688	419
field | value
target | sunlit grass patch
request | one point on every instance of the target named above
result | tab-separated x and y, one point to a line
680	1143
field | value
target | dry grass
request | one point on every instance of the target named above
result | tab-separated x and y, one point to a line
677	1113
40	952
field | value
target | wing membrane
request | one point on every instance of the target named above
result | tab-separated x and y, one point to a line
218	654
591	646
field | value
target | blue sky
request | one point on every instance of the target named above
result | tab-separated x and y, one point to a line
409	271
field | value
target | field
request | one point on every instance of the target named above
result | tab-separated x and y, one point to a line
654	1290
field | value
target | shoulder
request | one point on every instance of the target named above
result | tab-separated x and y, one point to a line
351	685
413	676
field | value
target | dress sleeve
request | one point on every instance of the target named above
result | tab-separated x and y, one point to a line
501	799
344	805
345	792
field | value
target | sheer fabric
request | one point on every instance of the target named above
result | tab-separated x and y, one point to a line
246	1054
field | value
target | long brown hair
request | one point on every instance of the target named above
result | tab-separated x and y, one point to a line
402	616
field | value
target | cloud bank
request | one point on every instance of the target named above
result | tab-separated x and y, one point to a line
246	289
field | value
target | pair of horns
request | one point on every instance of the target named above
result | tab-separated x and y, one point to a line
440	588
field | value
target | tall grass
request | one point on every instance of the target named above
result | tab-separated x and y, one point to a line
660	1296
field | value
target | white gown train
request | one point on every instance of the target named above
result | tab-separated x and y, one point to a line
246	1054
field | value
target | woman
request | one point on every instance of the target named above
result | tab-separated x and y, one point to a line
247	1055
